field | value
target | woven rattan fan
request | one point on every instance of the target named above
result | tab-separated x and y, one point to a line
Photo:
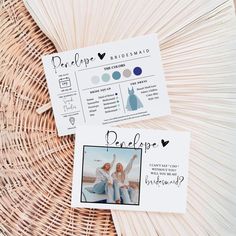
197	40
36	165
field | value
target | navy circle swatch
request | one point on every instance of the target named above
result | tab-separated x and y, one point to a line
137	71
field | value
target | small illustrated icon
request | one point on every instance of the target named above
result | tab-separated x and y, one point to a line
72	120
133	102
101	55
64	83
164	143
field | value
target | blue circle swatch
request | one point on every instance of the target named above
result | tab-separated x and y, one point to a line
116	75
137	71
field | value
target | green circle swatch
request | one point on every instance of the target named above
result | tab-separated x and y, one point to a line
105	77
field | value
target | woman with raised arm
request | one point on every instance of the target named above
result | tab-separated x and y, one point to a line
122	188
104	182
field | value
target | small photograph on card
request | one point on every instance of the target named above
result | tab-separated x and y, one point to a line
111	175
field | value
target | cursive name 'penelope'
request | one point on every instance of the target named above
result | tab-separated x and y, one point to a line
77	61
112	139
162	182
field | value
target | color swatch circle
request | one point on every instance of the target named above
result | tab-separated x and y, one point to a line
116	75
137	71
95	79
106	77
126	73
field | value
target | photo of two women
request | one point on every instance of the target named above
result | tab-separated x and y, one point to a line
111	175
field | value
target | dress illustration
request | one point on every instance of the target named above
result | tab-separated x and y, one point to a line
133	102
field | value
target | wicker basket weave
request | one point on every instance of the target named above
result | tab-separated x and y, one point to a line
36	165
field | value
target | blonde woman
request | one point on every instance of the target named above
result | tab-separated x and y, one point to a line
122	188
104	182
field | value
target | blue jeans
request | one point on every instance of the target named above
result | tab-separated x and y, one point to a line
104	188
128	195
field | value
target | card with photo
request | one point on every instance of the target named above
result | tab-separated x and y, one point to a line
130	169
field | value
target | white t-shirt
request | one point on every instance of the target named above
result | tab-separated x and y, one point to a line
102	175
126	171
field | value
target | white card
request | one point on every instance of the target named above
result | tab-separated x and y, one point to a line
149	172
107	84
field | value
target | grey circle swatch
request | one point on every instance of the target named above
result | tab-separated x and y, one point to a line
126	73
95	79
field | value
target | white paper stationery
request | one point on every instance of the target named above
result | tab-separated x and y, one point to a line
130	169
107	84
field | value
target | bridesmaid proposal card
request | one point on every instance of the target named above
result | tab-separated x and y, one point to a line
130	169
111	83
